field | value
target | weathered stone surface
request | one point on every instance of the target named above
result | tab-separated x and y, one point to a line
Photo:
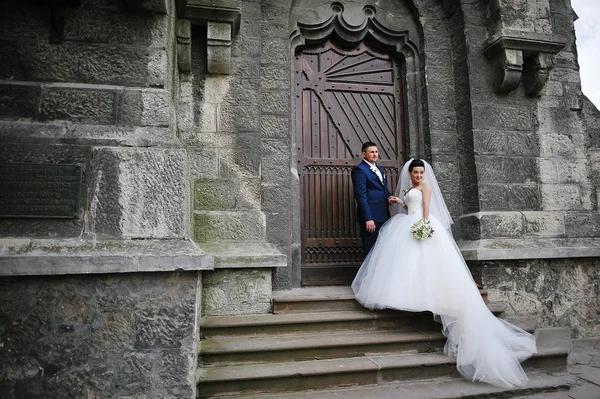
560	197
487	142
557	145
203	163
501	224
276	170
558	290
227	194
72	62
19	100
491	170
274	126
524	197
444	143
237	118
276	102
509	118
544	224
229	225
241	158
96	25
148	107
493	197
139	193
236	291
77	105
582	224
99	336
275	51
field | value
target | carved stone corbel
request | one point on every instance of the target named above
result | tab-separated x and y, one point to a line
222	21
536	73
508	66
184	45
522	56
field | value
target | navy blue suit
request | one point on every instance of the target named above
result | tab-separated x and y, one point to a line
372	201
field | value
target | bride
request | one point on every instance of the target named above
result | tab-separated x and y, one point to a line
404	273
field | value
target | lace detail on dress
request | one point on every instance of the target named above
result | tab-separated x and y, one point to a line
414	201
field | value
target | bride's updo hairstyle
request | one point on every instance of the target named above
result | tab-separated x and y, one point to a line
416	163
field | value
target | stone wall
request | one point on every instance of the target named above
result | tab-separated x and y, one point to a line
127	335
563	292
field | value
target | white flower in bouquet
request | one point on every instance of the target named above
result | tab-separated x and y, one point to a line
422	229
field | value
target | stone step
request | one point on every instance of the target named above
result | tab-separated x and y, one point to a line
317	346
436	388
320	299
330	373
293	323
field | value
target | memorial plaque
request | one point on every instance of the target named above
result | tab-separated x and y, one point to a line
39	190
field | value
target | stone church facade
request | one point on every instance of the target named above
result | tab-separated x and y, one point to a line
203	150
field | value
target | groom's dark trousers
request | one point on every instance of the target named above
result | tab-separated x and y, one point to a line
371	202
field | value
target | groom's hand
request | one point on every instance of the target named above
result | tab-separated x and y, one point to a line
392	199
370	226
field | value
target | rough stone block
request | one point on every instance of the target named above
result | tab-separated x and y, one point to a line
444	143
279	228
489	142
574	170
557	145
491	170
522	170
229	225
273	30
38	61
58	326
275	170
244	67
524	197
203	163
238	118
582	224
276	102
274	127
499	117
440	58
544	224
440	96
241	92
275	51
547	170
493	197
19	100
147	107
139	193
227	194
501	224
523	143
236	291
560	197
274	77
95	25
242	158
552	120
122	65
442	120
78	105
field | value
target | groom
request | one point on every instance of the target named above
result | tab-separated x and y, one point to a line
372	196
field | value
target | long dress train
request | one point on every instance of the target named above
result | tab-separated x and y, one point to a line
404	273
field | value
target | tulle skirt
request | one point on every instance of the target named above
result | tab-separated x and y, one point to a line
404	273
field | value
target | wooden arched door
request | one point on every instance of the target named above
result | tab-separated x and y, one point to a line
344	97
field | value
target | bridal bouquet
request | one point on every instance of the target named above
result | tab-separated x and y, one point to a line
422	229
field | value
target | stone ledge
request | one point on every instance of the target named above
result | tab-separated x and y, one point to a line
26	257
520	248
244	255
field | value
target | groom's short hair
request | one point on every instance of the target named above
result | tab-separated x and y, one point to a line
367	145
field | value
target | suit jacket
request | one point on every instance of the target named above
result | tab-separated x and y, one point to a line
371	195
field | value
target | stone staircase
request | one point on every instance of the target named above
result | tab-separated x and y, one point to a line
320	343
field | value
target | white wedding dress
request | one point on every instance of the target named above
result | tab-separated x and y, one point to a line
404	273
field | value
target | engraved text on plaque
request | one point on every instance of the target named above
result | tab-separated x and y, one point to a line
39	190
